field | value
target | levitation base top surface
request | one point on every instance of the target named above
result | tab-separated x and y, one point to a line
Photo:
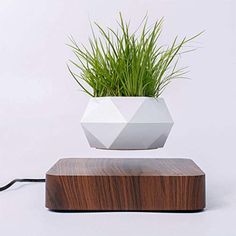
125	184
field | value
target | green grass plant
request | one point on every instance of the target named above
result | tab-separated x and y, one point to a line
124	63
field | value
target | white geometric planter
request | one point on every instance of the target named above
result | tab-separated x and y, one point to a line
126	122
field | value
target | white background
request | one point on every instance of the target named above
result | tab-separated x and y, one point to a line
41	106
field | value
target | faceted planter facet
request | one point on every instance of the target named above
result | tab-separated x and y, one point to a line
126	122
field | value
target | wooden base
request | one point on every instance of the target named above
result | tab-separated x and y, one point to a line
102	184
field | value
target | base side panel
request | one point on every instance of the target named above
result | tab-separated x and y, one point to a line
125	193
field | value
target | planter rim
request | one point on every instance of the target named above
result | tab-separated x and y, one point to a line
124	97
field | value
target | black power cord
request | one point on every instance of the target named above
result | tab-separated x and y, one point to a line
20	180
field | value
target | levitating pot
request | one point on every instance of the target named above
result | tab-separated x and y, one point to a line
126	122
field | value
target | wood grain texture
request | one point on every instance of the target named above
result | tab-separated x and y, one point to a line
141	184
